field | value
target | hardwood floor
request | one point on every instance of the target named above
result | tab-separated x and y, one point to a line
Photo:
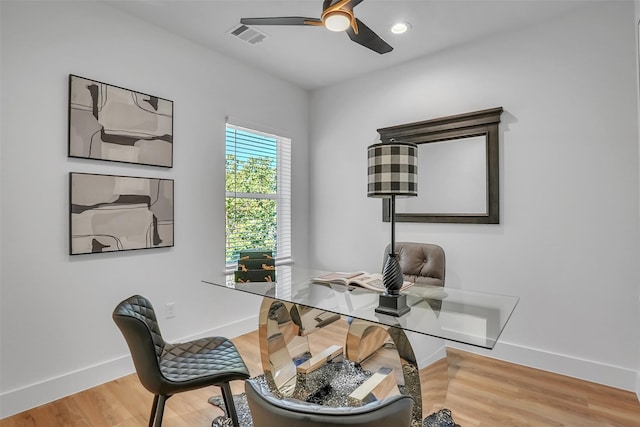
482	392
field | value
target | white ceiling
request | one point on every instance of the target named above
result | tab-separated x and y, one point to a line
313	57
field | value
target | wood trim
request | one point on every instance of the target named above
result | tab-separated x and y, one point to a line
483	122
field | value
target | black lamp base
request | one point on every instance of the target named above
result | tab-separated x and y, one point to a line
392	277
393	305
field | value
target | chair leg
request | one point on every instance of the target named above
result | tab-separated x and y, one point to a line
160	410
227	397
154	407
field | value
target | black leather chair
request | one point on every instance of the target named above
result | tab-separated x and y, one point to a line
166	369
269	411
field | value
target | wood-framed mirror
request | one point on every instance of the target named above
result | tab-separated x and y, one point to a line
458	172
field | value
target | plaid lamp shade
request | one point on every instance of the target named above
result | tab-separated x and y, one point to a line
393	169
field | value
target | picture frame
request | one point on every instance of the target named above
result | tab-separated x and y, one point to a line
111	123
111	213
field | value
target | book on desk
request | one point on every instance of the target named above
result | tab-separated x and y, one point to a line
255	266
372	281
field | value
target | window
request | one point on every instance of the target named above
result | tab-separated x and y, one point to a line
258	193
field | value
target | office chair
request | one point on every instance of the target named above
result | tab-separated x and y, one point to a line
166	369
268	411
421	263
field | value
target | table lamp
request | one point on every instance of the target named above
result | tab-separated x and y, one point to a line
393	171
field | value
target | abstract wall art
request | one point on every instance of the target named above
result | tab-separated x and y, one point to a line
111	123
119	213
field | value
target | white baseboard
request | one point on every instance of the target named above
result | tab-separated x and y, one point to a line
33	395
588	370
432	358
428	350
600	373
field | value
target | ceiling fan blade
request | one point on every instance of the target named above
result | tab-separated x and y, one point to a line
283	20
329	5
353	3
367	38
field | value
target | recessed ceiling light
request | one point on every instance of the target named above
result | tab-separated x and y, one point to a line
400	27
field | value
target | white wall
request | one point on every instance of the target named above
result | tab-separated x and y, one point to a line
57	332
637	21
568	244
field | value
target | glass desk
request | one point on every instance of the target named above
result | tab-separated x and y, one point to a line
293	307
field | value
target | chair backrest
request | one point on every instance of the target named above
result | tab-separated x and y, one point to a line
267	410
137	321
422	263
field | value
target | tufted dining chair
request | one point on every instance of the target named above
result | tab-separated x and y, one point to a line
422	263
166	369
269	411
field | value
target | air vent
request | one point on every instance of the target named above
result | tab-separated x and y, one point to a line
247	34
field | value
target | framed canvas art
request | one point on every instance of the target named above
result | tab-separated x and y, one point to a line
111	123
119	213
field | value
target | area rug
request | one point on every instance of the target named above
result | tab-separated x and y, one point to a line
330	386
442	418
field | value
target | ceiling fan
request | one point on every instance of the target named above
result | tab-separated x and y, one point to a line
337	15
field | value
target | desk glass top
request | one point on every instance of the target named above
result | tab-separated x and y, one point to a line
468	317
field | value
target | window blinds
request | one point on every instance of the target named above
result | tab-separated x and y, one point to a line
258	193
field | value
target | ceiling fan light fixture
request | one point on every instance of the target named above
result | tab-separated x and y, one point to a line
337	20
400	27
337	15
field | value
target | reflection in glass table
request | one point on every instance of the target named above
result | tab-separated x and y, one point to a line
293	307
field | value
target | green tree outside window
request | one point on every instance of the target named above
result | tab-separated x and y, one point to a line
251	184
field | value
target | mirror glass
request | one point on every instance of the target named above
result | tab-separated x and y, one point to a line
452	177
